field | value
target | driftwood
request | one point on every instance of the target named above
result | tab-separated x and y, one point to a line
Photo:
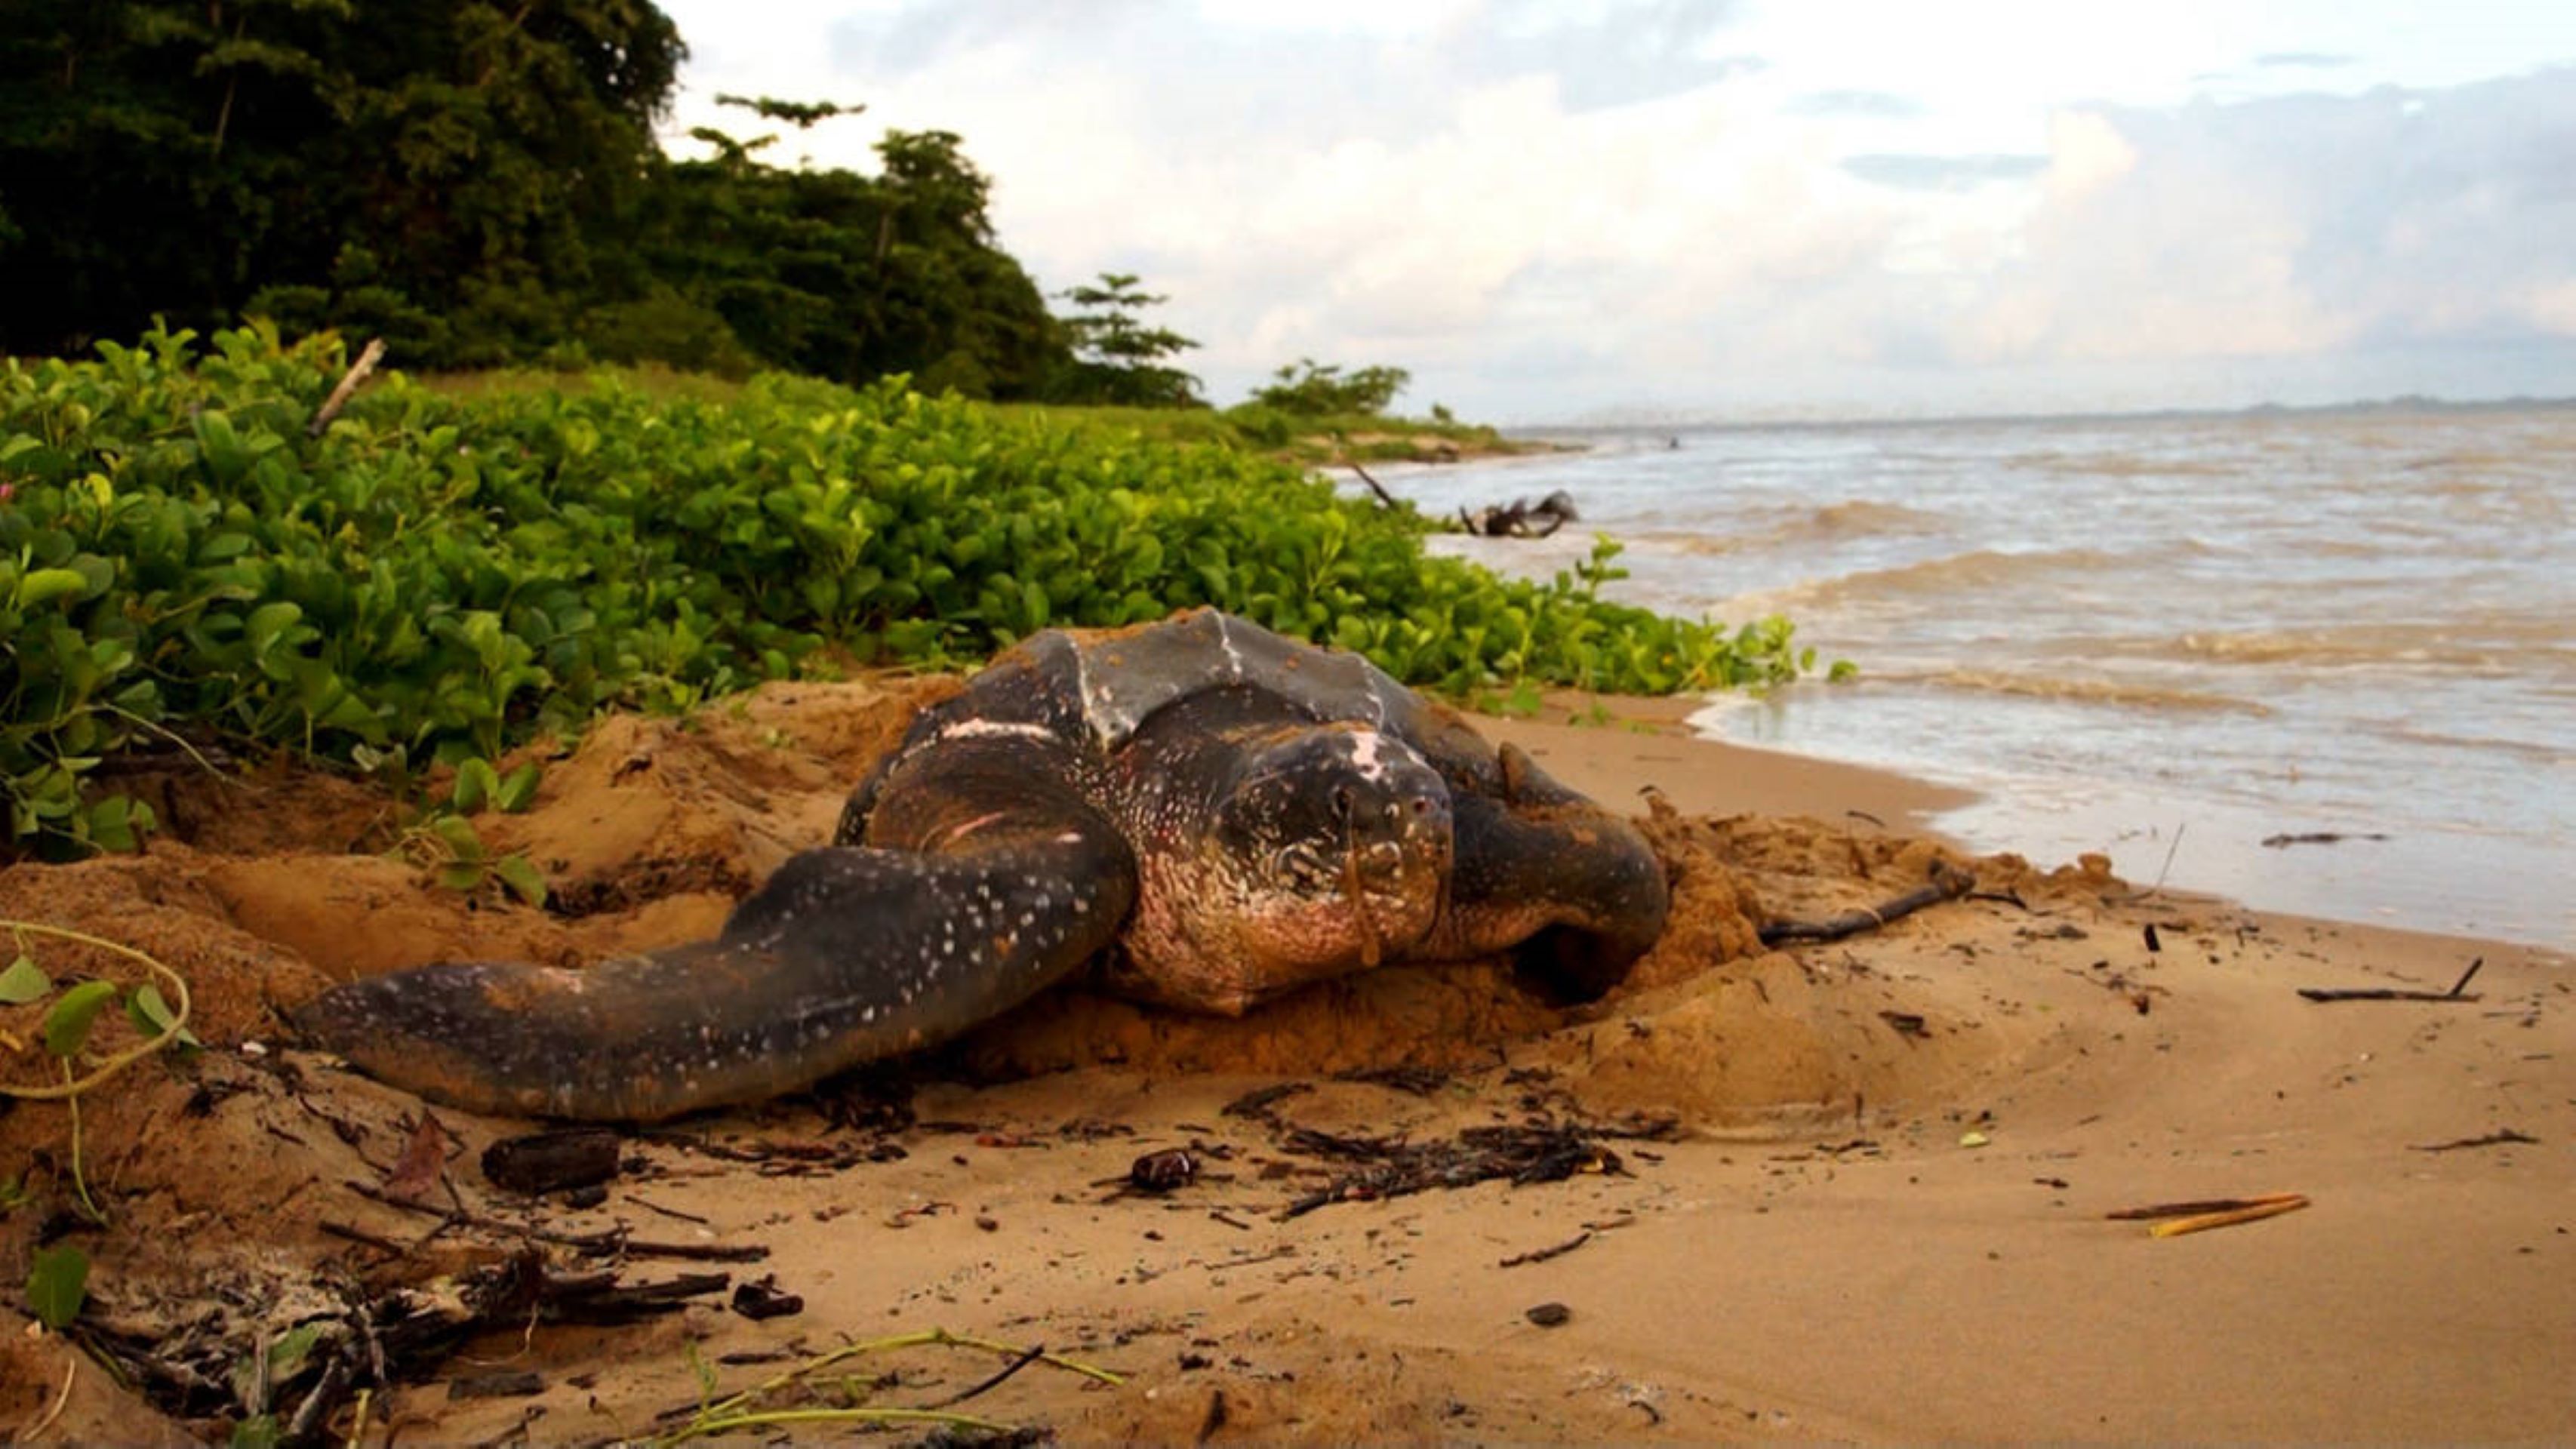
556	1161
339	398
1521	518
2458	991
1384	498
1948	884
1541	1150
2318	837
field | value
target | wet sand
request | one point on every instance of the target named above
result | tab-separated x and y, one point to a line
1877	1211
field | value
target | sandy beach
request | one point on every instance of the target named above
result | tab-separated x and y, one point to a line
1852	1190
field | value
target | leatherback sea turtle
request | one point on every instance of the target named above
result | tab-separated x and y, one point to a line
1219	813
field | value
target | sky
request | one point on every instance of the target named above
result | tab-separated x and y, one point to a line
1727	210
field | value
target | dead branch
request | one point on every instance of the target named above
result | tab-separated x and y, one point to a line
1384	498
614	1240
373	353
2383	993
2504	1138
1948	884
1553	1250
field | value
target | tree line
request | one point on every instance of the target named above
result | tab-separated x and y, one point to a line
480	181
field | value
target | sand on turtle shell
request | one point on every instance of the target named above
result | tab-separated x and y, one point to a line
1715	1268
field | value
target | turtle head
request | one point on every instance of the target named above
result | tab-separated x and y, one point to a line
1337	841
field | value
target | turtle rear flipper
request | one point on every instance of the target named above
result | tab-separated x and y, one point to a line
847	955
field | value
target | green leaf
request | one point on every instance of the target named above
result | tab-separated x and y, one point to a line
67	1025
259	1432
57	1285
522	878
286	1356
475	783
152	1016
460	837
518	789
23	982
44	585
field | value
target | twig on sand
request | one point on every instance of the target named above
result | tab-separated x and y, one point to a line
1552	1250
740	1410
35	1433
2201	1222
1030	1355
2199	1207
614	1240
1948	884
2383	993
2150	892
2504	1137
2178	1218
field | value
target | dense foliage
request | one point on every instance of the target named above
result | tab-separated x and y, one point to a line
478	182
1317	389
444	575
1117	359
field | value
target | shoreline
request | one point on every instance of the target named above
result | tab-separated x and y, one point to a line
1876	1213
2330	865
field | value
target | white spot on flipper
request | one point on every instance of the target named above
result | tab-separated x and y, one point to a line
977	729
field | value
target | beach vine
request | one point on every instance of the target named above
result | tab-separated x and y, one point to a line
193	557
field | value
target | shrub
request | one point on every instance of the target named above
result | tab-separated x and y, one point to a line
449	574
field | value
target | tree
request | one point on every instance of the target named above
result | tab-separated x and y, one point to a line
444	162
1312	389
1116	357
478	181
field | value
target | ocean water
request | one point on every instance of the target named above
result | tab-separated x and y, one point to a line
2167	638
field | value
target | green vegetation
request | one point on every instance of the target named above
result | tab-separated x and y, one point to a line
1117	358
1315	390
477	182
181	560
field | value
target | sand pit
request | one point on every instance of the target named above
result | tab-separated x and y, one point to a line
1852	1189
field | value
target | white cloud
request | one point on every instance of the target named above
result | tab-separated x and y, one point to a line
1708	207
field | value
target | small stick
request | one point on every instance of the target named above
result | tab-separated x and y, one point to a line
613	1241
2176	1227
373	353
1947	884
1031	1355
362	1236
35	1433
2504	1138
2202	1206
1553	1250
2382	993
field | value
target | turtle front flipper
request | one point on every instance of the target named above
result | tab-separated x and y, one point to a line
847	955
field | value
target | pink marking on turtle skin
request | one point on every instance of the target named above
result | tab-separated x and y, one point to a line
956	833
